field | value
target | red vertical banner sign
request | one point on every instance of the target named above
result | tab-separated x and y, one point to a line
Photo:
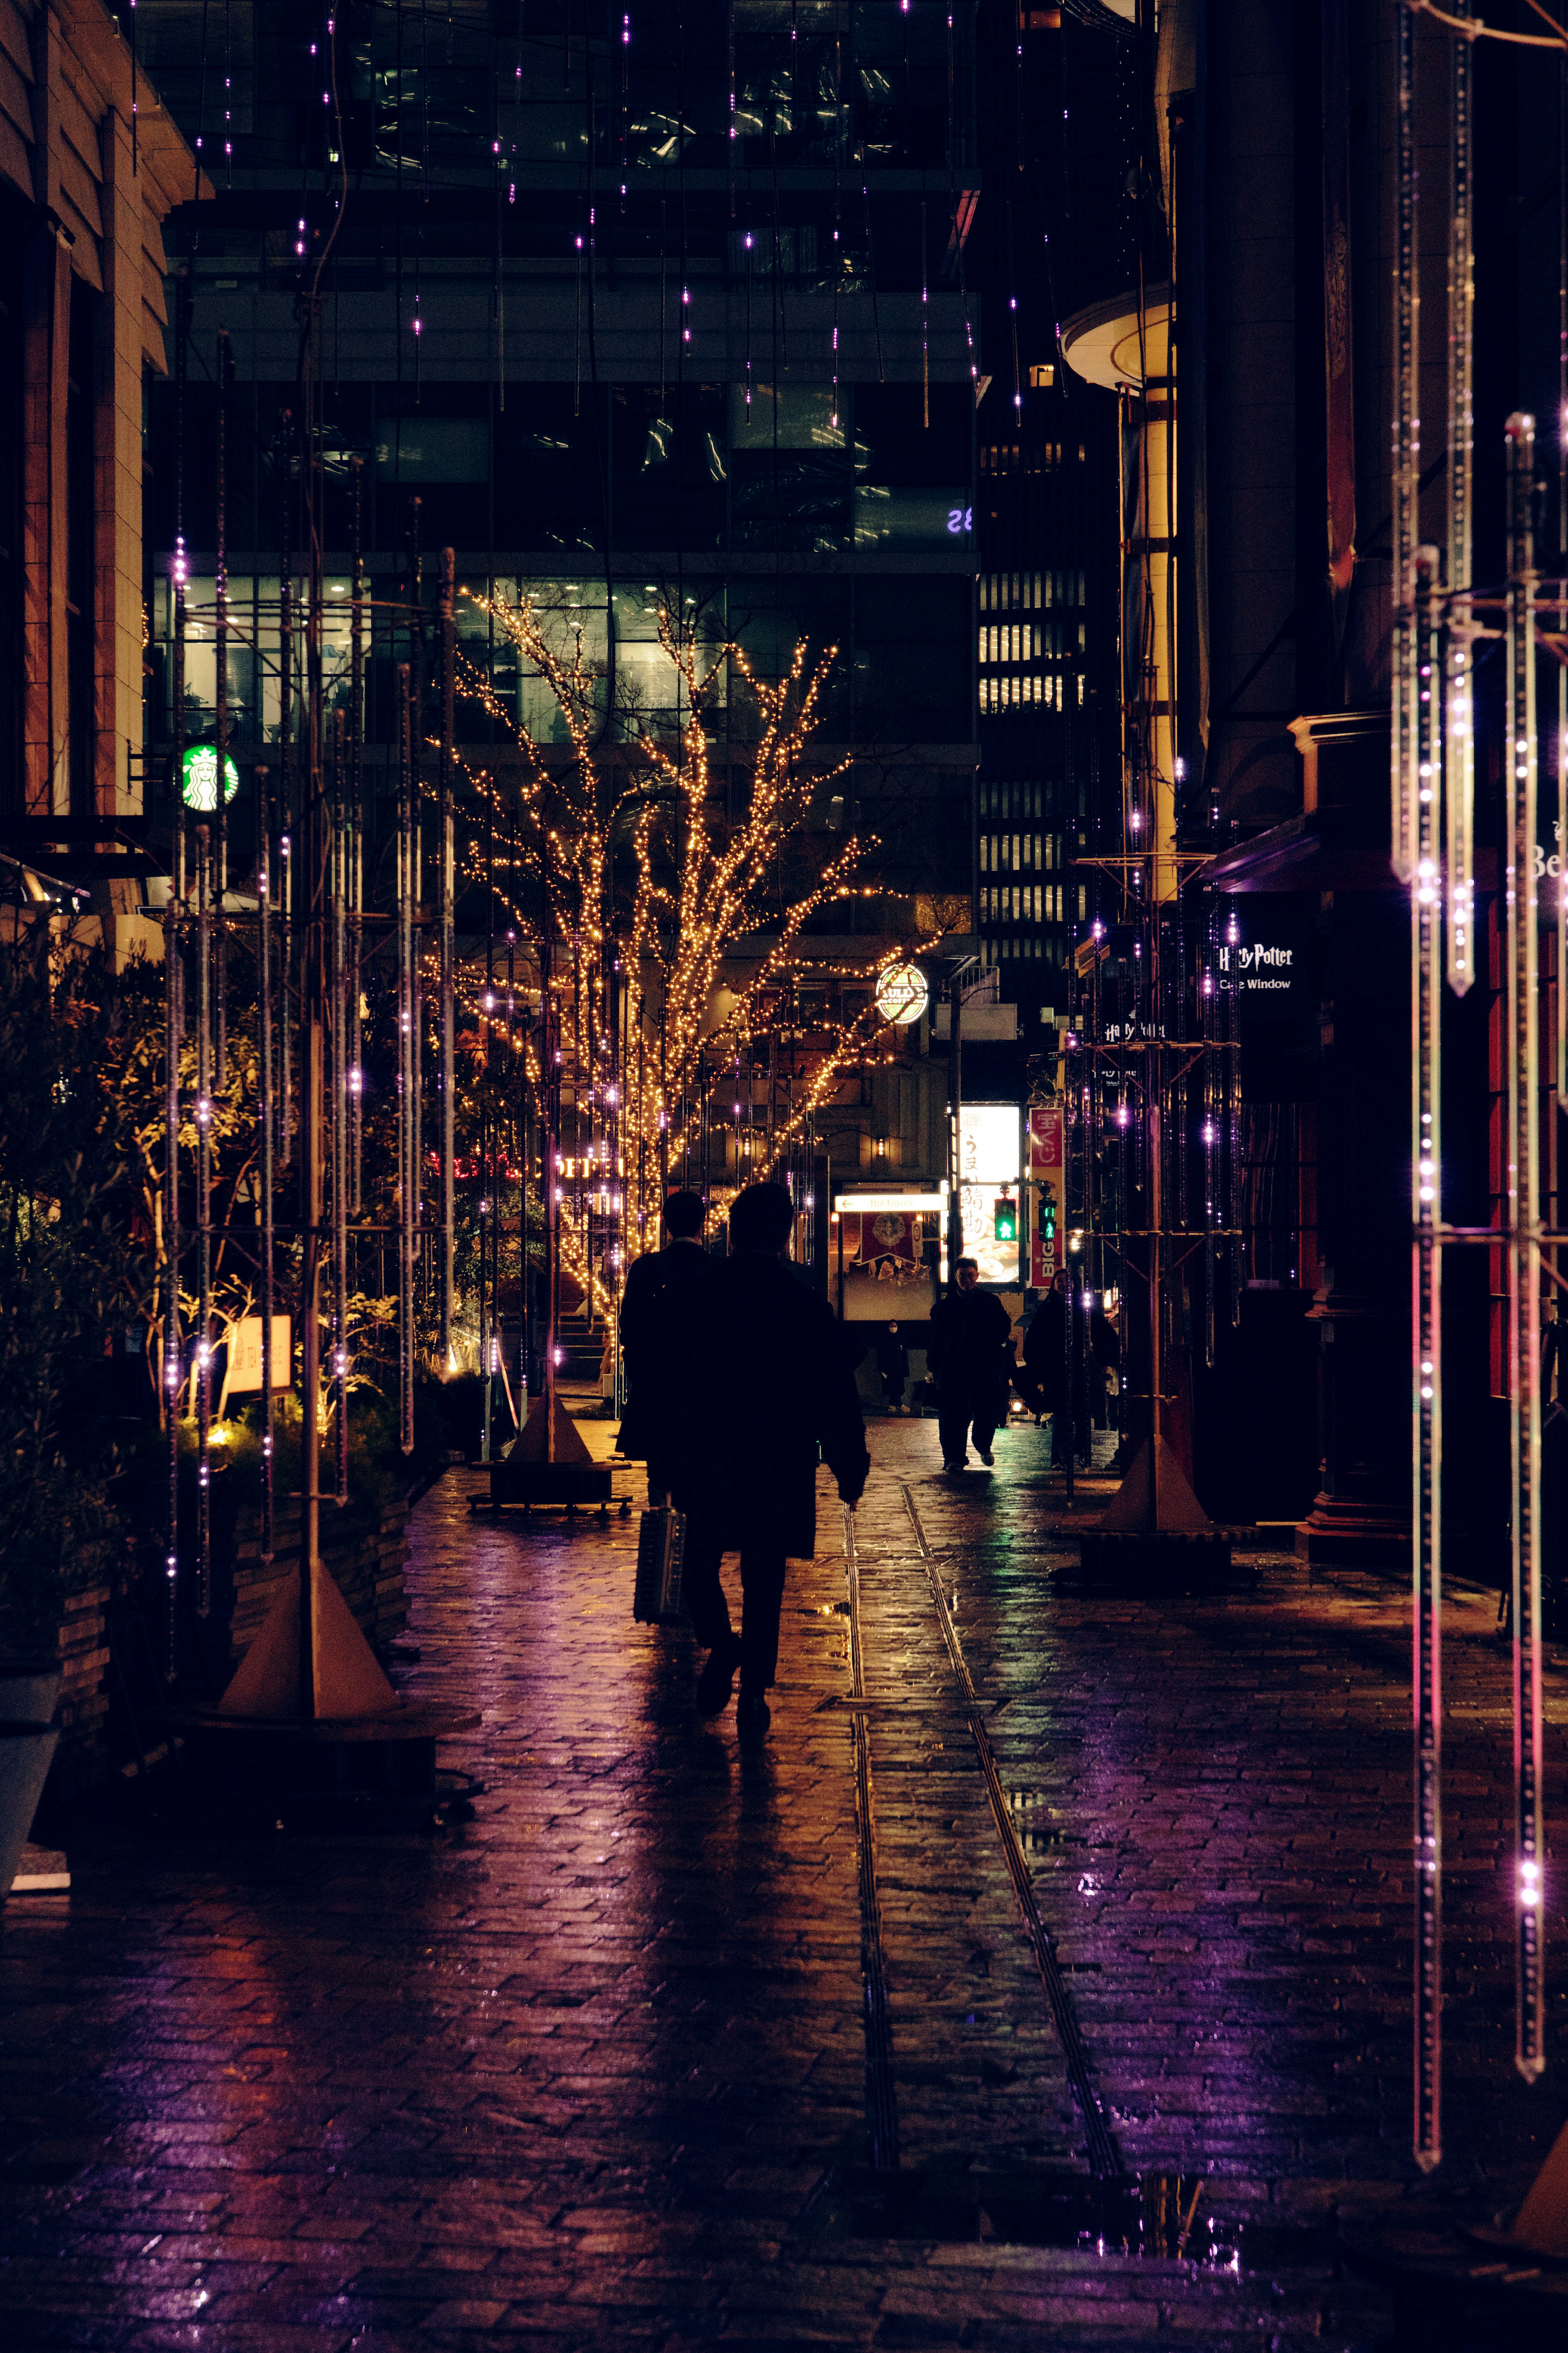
1047	1172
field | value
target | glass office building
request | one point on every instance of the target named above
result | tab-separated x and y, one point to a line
660	307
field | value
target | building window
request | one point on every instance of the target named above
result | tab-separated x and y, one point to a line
1013	693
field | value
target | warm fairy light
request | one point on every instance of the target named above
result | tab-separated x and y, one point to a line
694	882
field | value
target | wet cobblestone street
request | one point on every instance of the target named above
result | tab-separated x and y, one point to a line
577	2073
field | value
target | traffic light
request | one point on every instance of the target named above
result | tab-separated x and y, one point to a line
1005	1225
1047	1214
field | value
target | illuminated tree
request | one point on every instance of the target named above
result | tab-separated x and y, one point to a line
634	878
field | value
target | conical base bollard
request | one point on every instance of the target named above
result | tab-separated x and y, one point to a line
346	1750
548	1463
1155	1530
346	1680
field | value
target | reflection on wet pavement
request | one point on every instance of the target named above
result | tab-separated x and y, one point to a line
591	2068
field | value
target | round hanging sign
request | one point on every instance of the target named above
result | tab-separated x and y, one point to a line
902	994
198	779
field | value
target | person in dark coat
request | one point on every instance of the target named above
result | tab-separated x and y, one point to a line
1104	1358
1046	1367
778	1383
971	1354
661	1331
893	1365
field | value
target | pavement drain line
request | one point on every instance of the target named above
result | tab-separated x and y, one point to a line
1105	2162
881	2101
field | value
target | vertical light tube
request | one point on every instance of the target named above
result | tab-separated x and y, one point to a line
220	729
1406	447
314	952
355	801
286	798
1233	1187
407	1074
174	1039
1426	1393
491	1161
338	857
1461	879
445	948
550	1160
1560	905
1211	1115
204	1215
266	1135
1524	1247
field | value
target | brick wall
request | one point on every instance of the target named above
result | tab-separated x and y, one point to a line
364	1550
363	1547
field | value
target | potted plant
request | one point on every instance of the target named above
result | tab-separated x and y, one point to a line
70	1272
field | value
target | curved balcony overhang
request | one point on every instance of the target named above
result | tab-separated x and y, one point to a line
1119	343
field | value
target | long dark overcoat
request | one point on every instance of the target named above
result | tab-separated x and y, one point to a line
663	1332
970	1331
777	1382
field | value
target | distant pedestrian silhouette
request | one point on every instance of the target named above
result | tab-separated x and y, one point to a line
970	1355
662	1332
893	1365
778	1383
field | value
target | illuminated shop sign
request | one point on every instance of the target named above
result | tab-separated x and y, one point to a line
903	994
1260	969
198	779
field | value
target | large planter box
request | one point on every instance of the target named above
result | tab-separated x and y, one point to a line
363	1547
81	1760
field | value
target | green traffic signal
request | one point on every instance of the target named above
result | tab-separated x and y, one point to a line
1005	1225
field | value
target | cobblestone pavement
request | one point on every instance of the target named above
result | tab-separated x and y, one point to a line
575	2073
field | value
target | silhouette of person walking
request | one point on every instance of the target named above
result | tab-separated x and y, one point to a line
661	1332
778	1383
971	1346
893	1366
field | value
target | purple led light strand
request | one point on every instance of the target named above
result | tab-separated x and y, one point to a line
1426	1401
1524	1247
1460	718
265	1136
1406	455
